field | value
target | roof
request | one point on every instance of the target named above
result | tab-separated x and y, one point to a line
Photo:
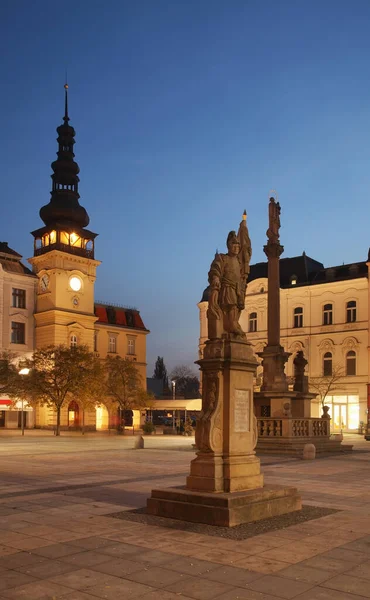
10	260
306	270
119	316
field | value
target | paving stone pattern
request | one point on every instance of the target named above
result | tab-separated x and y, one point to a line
57	540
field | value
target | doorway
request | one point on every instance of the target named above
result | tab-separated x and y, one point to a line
73	414
2	418
339	417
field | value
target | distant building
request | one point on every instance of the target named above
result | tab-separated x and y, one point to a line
54	303
325	313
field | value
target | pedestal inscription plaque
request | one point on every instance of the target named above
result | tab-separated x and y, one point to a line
242	411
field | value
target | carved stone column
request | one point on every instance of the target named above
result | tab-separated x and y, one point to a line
226	433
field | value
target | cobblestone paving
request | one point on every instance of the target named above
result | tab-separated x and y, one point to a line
57	542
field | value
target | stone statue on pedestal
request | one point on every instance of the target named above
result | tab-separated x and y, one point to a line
228	281
300	379
274	221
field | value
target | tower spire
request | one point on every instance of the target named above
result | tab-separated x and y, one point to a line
66	117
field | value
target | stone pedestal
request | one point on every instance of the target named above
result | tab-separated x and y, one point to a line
225	485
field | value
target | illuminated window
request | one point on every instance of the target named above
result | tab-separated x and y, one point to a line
327	314
112	344
351	311
252	322
73	341
298	317
19	298
293	280
328	364
351	363
130	346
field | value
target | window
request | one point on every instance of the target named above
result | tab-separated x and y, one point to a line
18	333
293	280
73	341
328	364
327	314
95	341
130	346
351	363
253	322
351	311
112	344
298	316
19	298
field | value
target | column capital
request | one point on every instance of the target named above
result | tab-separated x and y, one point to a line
273	249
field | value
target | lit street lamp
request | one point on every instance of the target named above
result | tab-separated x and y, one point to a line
24	371
173	398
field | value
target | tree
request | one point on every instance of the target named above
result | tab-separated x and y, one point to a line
326	384
92	386
160	372
187	384
123	384
57	374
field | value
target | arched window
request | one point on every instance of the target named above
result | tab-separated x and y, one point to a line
351	311
298	317
73	341
252	322
351	363
293	280
327	316
328	364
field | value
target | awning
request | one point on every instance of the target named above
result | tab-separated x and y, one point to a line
5	402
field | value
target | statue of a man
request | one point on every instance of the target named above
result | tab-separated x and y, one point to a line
274	221
228	281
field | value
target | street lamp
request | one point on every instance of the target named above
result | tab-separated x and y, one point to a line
23	371
173	398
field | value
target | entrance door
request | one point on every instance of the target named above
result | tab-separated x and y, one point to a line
339	417
73	414
2	418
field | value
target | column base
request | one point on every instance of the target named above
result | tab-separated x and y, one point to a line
224	510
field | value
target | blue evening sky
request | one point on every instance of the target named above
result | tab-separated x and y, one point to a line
187	112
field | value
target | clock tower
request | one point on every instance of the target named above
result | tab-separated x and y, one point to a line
63	257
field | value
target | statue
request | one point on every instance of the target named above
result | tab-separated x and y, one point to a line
228	282
300	379
274	221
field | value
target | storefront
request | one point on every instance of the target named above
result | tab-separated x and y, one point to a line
344	412
11	414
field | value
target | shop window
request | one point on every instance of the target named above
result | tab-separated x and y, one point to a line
327	314
351	310
252	322
328	364
351	363
298	316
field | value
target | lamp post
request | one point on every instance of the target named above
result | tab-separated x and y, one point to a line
173	398
24	371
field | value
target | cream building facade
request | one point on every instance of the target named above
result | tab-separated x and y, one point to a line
325	313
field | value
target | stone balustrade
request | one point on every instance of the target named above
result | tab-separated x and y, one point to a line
288	427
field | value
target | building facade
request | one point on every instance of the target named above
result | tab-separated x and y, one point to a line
60	306
325	313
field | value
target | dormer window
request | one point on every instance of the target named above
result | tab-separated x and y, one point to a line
293	280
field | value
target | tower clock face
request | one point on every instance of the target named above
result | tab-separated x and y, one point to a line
75	283
44	283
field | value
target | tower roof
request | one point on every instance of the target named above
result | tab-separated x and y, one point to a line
64	207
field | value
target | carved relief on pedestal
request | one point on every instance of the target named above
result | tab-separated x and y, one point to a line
208	434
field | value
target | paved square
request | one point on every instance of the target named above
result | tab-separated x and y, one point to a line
57	542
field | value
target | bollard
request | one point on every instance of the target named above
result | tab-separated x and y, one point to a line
139	442
309	452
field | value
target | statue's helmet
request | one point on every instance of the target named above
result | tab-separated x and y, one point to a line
232	238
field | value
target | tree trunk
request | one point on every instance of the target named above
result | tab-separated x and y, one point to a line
83	421
58	421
